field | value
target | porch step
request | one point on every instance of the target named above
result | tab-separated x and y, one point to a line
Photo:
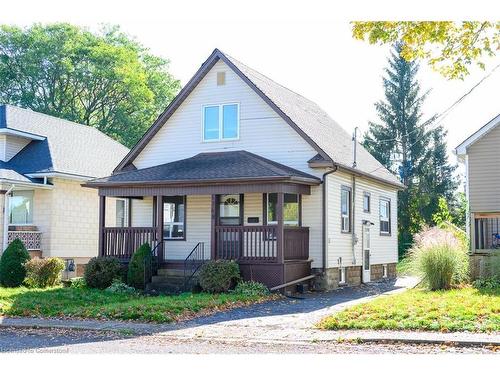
174	272
172	279
170	284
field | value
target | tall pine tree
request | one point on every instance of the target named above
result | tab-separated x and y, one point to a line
406	145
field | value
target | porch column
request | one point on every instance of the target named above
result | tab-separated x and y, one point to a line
102	224
159	227
280	231
213	223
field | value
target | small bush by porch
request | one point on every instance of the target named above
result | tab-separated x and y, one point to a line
89	303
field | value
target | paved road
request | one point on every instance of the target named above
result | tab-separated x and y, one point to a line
41	340
285	325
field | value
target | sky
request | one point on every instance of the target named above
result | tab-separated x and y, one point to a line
305	46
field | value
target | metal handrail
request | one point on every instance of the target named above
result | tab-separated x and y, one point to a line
195	259
151	268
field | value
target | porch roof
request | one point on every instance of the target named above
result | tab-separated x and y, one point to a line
232	167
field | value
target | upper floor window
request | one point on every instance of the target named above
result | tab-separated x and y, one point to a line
385	216
366	202
21	207
221	122
345	209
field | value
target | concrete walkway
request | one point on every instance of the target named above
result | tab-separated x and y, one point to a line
284	321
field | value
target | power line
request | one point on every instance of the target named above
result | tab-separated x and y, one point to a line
442	115
445	113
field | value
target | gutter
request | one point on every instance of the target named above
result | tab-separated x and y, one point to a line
325	215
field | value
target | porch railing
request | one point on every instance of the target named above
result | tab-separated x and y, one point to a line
31	239
259	243
121	242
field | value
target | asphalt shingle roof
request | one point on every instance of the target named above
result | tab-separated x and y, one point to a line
332	138
68	147
211	166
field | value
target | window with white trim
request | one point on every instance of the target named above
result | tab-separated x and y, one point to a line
345	209
385	216
174	217
21	207
384	274
341	275
121	212
291	209
366	202
221	122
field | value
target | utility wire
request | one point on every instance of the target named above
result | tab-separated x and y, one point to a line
442	115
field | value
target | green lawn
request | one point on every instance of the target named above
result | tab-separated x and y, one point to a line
466	309
97	304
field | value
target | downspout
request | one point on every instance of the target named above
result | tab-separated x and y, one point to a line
6	218
353	195
325	215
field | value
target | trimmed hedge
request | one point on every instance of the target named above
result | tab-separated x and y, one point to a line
12	264
42	273
135	274
218	276
101	272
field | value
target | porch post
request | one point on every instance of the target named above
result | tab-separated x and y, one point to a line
102	224
213	223
159	227
280	231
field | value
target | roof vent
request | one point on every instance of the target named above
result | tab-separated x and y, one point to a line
221	78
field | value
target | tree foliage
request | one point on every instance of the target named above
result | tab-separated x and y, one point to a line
105	79
449	47
412	148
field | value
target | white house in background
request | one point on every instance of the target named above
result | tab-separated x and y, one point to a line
43	162
481	155
239	167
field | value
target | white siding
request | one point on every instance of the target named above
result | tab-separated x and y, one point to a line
142	212
262	131
13	145
198	224
312	217
384	249
253	208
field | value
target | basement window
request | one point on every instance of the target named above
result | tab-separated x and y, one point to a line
341	275
384	267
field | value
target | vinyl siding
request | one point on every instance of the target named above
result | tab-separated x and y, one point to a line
262	131
483	181
142	212
13	145
383	248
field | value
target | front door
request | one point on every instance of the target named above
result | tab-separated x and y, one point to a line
366	253
230	217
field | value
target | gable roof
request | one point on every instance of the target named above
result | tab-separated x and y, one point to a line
58	146
329	139
461	149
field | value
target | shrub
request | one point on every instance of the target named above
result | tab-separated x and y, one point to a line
217	276
100	272
77	283
491	282
119	286
12	264
440	258
42	273
135	274
251	288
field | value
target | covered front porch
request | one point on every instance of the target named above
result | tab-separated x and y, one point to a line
256	221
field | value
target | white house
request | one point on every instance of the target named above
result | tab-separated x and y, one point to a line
239	167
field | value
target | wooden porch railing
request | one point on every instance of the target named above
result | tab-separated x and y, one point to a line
296	243
122	242
259	243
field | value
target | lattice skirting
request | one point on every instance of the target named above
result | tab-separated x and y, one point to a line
31	239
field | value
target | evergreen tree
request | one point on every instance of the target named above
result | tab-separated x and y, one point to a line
400	141
408	146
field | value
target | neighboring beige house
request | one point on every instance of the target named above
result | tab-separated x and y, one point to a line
239	167
481	155
43	162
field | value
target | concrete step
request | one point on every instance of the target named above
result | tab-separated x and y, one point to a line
175	280
170	272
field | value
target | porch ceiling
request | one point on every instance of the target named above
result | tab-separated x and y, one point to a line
208	173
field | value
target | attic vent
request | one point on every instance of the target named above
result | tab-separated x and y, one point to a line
221	78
